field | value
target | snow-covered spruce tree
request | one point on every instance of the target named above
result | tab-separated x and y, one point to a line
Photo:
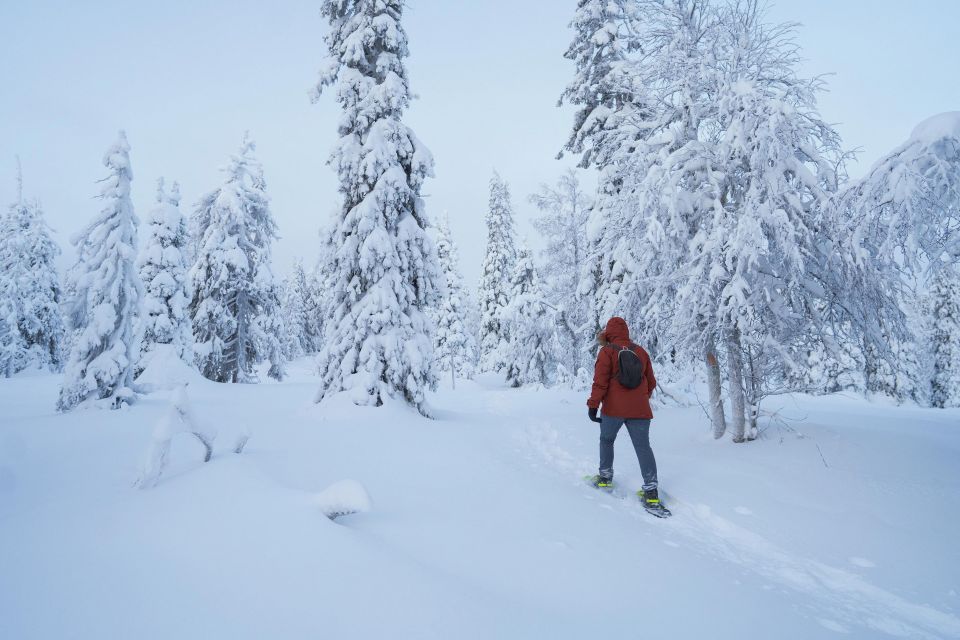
163	271
528	356
31	287
12	347
456	347
602	88
300	314
945	338
498	264
563	223
105	295
610	106
235	307
382	272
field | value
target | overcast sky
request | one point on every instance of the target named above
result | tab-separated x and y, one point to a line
186	78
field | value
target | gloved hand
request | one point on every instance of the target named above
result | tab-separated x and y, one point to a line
593	415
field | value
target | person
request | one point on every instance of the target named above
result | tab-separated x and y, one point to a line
619	405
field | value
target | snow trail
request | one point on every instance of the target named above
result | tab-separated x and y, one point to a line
840	593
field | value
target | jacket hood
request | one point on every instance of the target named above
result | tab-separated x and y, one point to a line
616	330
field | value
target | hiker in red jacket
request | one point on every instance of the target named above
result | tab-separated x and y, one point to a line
623	382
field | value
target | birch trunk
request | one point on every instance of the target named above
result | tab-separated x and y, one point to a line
735	379
717	418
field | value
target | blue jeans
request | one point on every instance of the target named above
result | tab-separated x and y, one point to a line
639	431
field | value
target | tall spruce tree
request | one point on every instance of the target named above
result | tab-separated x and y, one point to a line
498	264
382	271
30	287
235	307
602	88
300	313
163	271
528	360
611	105
105	295
456	348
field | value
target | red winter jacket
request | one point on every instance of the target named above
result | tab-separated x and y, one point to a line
617	400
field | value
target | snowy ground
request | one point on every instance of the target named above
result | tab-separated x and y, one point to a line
845	525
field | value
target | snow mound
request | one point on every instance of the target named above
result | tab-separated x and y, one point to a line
943	125
343	498
165	370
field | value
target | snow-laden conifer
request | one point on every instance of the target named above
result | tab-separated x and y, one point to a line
12	346
528	356
602	88
945	338
105	295
456	347
498	265
382	271
163	271
30	288
235	309
301	313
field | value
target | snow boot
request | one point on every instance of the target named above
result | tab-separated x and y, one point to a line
599	482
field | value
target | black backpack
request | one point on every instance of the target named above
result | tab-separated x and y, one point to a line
630	374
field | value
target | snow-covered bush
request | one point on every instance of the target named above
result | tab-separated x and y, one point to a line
382	272
105	293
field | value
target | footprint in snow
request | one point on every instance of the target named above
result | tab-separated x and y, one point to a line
862	562
832	625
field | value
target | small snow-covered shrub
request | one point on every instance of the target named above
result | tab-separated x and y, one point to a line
178	419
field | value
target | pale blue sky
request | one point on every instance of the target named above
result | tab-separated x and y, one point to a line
186	78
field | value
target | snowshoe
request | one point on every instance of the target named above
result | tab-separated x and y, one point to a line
651	503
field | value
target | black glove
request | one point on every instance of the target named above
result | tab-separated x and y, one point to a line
593	415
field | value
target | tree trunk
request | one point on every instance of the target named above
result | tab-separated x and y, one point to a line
735	379
752	389
717	418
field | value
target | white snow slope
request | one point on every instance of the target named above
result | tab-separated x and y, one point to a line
845	525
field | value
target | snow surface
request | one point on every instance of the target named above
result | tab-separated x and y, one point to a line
942	125
842	524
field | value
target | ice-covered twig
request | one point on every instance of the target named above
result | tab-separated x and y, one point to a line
241	442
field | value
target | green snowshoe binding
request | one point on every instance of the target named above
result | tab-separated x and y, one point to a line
599	482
